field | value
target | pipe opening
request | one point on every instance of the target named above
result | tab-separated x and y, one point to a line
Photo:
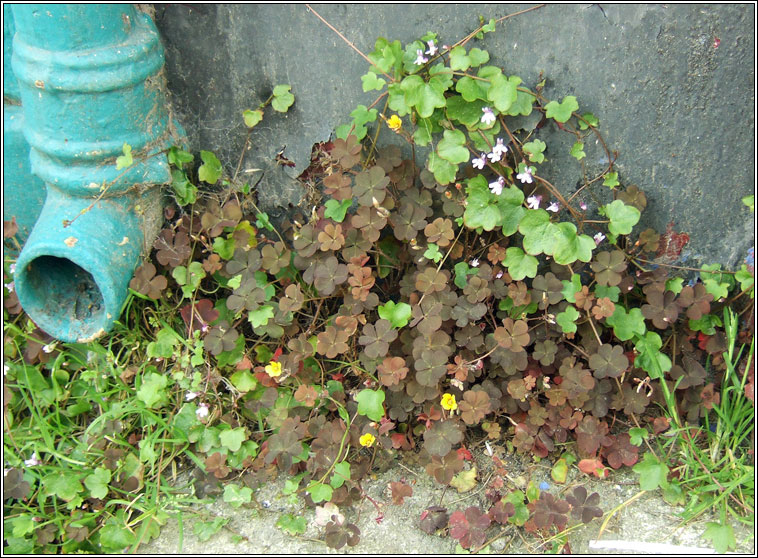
62	292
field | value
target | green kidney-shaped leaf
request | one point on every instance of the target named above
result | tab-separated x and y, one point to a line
252	117
520	265
626	325
319	492
397	314
567	319
97	482
444	171
570	246
371	404
623	217
210	171
472	89
561	112
371	82
235	496
539	233
721	535
283	99
652	472
502	91
451	147
232	439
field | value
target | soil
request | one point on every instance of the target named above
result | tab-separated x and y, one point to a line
252	529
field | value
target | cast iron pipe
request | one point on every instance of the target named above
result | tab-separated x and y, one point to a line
91	80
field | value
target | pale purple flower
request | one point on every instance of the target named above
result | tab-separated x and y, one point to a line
494	157
10	286
475	262
202	411
488	117
420	59
33	461
599	237
533	202
12	269
583	206
478	163
497	186
49	348
190	395
498	275
445	47
499	147
554	207
432	49
525	176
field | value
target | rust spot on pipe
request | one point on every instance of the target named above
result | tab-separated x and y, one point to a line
71	241
39	83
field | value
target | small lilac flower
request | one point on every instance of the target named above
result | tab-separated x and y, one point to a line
599	237
12	269
190	395
445	47
525	176
488	117
498	275
533	202
475	262
10	286
33	461
494	157
499	147
49	348
478	163
583	206
420	59
497	186
432	49
202	411
554	207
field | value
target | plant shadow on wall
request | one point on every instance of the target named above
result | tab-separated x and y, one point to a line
437	306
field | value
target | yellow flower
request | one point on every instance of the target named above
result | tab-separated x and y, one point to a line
367	440
448	402
274	369
395	123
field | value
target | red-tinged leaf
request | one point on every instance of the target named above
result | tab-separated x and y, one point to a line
277	354
465	454
661	424
244	364
400	491
204	314
593	467
400	441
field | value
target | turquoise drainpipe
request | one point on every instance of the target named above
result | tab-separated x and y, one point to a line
23	193
91	80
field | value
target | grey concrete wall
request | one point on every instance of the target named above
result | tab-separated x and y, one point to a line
679	110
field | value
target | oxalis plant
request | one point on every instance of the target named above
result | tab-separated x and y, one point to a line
443	298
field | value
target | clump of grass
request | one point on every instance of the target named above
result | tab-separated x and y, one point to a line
710	467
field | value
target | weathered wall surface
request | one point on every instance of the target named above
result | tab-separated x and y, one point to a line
678	108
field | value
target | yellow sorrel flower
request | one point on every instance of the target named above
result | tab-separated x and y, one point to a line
448	402
367	440
274	369
395	123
